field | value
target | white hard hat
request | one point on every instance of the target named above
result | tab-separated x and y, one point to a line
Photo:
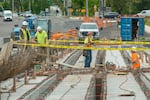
133	48
24	23
39	28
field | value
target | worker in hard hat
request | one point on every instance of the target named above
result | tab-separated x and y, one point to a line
24	32
135	64
41	36
135	59
88	53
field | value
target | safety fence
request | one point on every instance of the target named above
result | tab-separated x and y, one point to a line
98	45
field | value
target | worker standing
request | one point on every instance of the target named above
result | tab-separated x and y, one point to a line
41	36
88	56
24	32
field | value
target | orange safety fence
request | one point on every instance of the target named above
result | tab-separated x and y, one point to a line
56	36
70	34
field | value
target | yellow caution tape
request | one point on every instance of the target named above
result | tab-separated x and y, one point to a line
102	42
79	47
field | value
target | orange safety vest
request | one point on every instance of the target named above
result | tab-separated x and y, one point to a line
135	59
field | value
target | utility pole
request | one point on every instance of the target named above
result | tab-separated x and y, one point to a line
31	5
87	11
12	6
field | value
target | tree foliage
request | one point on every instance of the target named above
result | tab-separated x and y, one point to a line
124	6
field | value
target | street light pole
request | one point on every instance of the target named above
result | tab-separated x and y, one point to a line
87	11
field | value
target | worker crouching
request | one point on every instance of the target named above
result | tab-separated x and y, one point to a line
135	63
135	59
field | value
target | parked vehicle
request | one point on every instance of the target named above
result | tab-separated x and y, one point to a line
88	27
16	32
111	15
144	13
7	15
28	14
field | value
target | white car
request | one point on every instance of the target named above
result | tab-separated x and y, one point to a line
28	14
88	27
144	13
7	15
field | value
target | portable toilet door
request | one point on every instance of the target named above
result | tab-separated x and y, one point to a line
126	28
141	27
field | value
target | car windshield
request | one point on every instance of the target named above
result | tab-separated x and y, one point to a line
8	14
143	12
88	26
28	12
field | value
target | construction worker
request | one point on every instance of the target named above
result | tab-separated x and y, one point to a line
135	64
135	59
41	36
24	32
88	56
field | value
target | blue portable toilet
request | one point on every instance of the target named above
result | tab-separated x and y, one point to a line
131	28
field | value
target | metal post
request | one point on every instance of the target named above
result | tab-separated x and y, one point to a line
25	78
14	84
64	7
0	91
87	8
103	7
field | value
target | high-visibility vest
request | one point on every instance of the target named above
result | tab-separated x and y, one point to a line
136	61
26	35
88	40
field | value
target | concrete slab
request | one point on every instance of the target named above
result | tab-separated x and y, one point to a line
20	90
126	82
116	58
73	87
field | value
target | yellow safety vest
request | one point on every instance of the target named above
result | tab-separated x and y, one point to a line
26	35
88	40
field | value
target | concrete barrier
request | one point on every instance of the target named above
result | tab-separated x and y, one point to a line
147	29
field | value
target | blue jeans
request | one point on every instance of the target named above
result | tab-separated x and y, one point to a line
88	59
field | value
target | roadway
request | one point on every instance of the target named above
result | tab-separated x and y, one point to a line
6	27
